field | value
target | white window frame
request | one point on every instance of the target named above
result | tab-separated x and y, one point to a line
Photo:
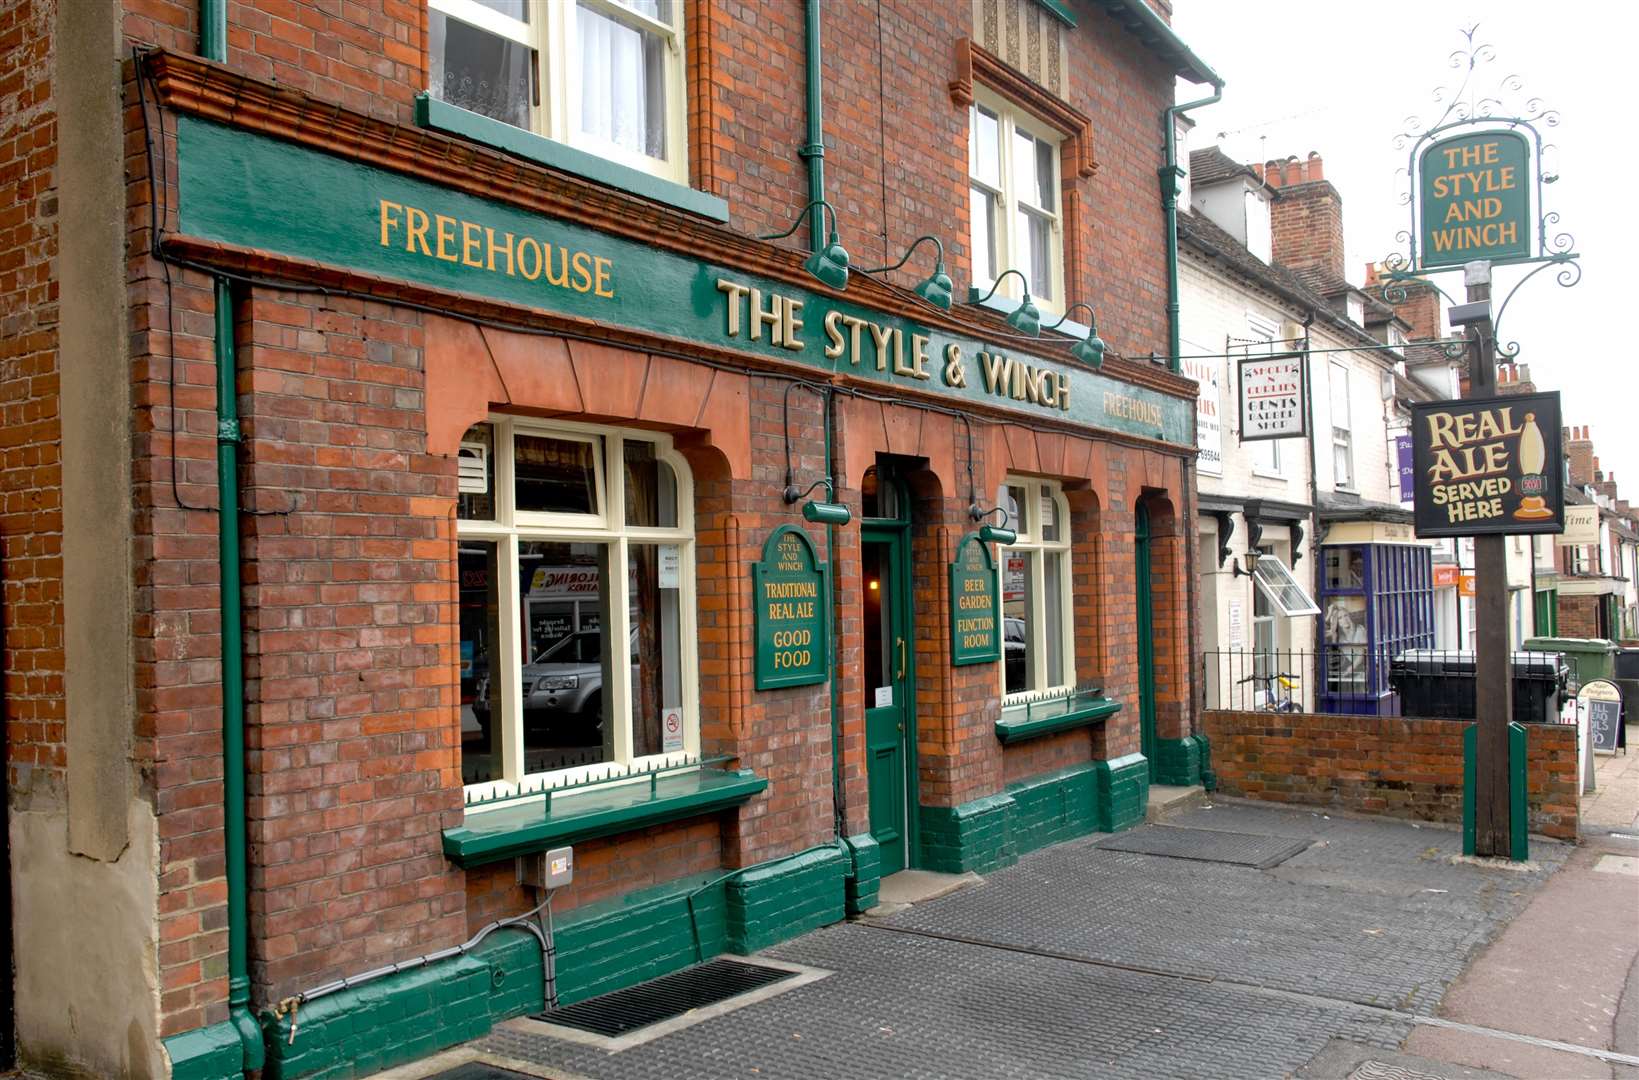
1279	579
511	528
1030	542
1342	434
1011	252
553	35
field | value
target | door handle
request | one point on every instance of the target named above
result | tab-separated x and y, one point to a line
900	675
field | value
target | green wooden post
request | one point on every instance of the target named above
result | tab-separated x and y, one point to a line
1470	744
1519	840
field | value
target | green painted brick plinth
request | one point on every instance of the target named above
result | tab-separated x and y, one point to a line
782	899
207	1053
1179	761
1123	792
865	873
1053	808
972	836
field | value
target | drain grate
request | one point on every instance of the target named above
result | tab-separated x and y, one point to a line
1206	845
669	996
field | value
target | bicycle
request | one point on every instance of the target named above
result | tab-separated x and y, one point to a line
1285	701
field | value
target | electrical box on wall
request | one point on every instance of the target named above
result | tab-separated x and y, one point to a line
548	869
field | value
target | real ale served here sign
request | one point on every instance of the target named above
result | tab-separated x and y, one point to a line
1487	466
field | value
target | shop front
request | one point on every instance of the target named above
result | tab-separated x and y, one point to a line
579	522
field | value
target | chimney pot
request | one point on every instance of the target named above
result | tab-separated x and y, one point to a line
1314	171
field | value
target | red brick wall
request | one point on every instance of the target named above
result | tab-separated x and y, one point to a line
1381	765
30	433
1579	616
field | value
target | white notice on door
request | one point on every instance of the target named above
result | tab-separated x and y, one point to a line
884	697
671	566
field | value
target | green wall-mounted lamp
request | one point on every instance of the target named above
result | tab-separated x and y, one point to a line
998	534
1089	350
828	264
936	288
1026	318
829	512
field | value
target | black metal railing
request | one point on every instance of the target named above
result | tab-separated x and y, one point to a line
1360	679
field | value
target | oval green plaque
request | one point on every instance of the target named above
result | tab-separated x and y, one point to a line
793	626
975	636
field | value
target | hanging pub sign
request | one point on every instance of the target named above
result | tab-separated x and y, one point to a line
1485	466
974	629
1273	393
1475	200
792	625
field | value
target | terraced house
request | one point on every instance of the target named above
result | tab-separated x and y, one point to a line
440	432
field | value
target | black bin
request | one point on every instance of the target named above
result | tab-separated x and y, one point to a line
1439	685
1627	678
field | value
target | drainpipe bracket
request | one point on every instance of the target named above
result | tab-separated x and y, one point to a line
227	430
811	150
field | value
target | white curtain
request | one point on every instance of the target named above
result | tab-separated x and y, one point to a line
613	98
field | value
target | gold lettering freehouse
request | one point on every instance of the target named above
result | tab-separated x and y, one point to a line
469	243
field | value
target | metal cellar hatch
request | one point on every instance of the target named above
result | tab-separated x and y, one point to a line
624	1011
1206	845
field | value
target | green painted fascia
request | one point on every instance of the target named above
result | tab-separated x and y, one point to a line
1027	723
865	873
506	831
1123	791
1060	11
207	1053
437	115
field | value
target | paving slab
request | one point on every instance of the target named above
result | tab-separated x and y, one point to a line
1614	802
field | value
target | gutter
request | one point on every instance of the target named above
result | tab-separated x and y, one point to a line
213	45
1171	177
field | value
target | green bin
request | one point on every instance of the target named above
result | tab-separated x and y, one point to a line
1588	658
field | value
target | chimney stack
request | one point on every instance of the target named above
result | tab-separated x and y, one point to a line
1579	448
1307	220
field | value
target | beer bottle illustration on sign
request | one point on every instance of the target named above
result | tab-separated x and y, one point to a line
1533	457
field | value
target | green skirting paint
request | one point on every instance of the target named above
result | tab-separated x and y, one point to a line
1052	808
973	836
1178	761
1123	792
781	900
207	1053
864	875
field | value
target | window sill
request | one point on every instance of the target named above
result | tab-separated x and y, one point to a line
601	810
450	119
1021	722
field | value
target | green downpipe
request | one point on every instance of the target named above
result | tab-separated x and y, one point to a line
213	45
1171	177
233	678
813	151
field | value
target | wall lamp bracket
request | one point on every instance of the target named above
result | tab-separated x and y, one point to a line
1089	350
828	264
1001	534
829	512
1026	318
1251	561
936	288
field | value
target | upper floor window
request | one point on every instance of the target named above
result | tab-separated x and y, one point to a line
1038	649
1342	434
602	75
1013	200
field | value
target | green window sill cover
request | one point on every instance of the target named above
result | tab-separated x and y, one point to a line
536	824
1021	722
450	119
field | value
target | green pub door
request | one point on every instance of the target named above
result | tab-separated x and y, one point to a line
890	710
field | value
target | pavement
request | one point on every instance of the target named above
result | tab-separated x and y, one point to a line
1372	953
1614	802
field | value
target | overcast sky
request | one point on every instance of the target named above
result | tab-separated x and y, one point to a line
1341	78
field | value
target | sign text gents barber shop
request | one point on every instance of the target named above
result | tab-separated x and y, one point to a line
1487	465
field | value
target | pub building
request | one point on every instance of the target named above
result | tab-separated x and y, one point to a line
673	431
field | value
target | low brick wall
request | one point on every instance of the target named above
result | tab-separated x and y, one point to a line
1386	765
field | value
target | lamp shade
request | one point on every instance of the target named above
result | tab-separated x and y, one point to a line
1089	350
937	289
829	265
1026	318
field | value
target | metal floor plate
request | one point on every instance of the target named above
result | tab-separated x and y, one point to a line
669	996
1206	845
477	1070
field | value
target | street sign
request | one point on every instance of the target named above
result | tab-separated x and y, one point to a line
1272	395
975	633
1487	466
1476	200
1603	701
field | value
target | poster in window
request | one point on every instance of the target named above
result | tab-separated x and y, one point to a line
1273	397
